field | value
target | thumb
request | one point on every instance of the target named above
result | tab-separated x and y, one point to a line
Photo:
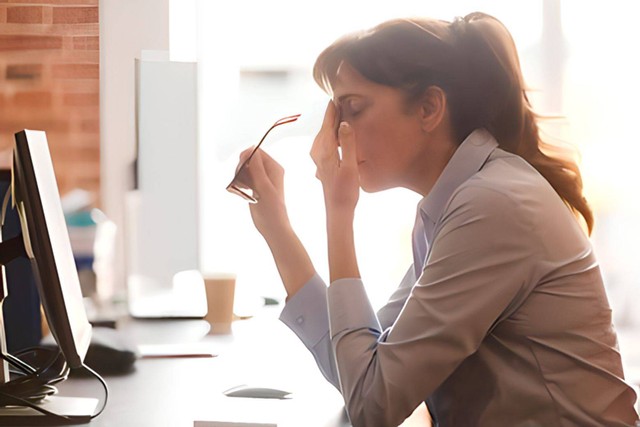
346	138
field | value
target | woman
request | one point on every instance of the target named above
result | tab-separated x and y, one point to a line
502	320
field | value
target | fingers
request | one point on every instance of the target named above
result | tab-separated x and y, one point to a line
330	117
325	149
262	174
346	138
244	156
246	153
325	145
266	171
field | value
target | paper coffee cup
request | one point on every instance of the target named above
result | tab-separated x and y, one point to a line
220	291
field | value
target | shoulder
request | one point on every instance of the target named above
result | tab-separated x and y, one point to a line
507	190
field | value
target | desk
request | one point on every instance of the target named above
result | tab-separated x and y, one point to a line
174	392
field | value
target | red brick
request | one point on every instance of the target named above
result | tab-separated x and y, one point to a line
81	99
88	125
75	15
24	72
86	169
59	2
24	42
49	76
83	154
75	56
86	43
36	122
24	15
76	71
6	142
78	86
32	99
74	140
47	15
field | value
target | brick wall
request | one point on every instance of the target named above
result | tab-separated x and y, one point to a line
49	69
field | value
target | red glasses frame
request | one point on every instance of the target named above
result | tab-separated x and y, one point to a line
233	186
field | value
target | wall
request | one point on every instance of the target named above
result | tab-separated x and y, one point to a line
126	28
67	66
49	80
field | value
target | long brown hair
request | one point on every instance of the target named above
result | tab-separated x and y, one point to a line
475	61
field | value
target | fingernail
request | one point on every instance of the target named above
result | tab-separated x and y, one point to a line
344	127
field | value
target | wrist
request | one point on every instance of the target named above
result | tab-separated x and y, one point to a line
336	208
292	260
279	234
342	255
340	216
271	222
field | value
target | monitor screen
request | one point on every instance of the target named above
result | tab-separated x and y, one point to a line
47	244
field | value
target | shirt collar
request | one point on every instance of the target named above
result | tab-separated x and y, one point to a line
466	161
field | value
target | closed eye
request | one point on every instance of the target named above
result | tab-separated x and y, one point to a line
352	108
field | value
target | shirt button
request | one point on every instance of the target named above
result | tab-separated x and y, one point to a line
300	320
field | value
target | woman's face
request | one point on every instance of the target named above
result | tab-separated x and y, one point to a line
388	132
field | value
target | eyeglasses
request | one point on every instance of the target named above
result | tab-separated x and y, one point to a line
247	193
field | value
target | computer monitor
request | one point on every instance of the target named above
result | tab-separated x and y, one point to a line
28	398
46	241
162	212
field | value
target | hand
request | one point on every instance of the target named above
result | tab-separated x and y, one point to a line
339	176
266	177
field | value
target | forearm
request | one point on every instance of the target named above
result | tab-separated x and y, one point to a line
292	260
342	254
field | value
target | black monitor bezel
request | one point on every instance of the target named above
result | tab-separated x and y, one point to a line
74	345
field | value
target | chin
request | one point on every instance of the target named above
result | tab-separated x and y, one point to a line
372	180
369	186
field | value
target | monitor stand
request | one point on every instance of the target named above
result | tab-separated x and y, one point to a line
76	409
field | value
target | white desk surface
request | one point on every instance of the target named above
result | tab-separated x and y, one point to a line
175	392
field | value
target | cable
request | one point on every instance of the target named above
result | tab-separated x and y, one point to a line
104	385
33	385
16	401
22	366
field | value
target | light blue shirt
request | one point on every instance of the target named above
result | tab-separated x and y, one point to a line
506	324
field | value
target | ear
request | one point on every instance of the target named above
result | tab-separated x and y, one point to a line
433	108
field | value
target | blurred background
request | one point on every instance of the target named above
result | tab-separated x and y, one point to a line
256	67
67	67
577	58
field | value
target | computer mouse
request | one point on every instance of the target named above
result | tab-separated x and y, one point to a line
256	392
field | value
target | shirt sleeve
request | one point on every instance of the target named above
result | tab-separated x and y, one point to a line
390	311
474	274
307	316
